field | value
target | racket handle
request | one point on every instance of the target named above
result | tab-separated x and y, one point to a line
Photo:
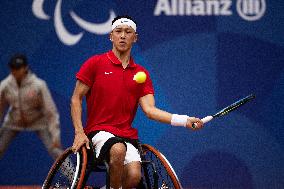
204	120
207	119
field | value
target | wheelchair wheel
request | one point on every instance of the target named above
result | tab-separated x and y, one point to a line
158	172
67	171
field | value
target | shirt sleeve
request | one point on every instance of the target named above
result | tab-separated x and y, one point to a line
86	73
51	113
148	86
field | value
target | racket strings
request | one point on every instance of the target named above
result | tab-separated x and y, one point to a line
234	106
229	109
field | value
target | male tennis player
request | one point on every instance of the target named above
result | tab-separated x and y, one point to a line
108	82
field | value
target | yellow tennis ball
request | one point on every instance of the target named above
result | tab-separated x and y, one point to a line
140	77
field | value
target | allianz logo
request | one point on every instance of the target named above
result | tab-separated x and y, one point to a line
249	10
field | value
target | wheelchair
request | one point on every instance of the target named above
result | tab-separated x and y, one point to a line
73	170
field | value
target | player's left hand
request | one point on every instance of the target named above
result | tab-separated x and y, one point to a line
198	124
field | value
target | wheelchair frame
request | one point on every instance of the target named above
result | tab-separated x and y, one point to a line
85	166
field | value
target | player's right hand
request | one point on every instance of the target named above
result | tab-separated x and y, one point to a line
80	140
198	124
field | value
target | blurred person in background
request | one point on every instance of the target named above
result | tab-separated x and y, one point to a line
29	106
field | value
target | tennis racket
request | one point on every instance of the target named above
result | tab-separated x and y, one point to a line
228	109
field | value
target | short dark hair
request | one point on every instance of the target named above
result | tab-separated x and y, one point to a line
123	16
18	61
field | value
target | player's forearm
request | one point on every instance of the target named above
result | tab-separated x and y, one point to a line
76	114
159	115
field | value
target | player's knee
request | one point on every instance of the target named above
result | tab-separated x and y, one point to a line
117	153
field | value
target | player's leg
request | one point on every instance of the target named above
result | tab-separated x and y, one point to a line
112	149
124	159
116	164
132	174
6	137
132	167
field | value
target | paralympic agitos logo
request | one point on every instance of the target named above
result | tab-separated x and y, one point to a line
250	10
63	34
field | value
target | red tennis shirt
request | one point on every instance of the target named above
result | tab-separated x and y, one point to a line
113	97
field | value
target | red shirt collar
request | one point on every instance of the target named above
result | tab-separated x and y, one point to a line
115	60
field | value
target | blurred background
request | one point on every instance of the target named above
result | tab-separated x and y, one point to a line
202	55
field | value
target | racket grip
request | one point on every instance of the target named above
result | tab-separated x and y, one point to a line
204	120
207	119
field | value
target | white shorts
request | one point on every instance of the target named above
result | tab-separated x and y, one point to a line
132	153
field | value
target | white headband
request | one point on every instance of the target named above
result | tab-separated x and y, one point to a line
124	21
